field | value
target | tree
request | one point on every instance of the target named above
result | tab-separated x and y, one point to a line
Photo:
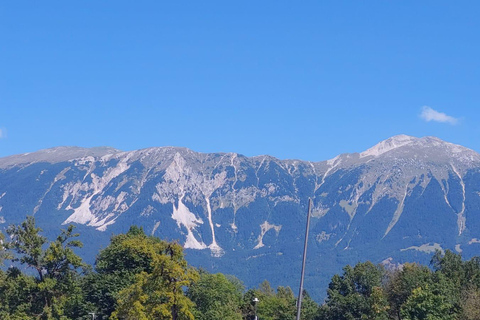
472	273
129	254
3	249
216	297
56	267
117	266
470	304
309	307
357	294
451	265
27	242
16	292
248	305
402	282
157	292
279	305
425	304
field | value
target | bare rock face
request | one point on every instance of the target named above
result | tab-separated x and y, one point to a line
397	201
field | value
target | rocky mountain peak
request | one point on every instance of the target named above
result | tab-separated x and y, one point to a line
388	145
431	149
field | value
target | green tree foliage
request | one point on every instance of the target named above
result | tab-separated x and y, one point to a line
357	294
470	304
275	306
279	305
412	292
16	292
3	249
463	274
309	307
27	242
216	297
116	268
57	272
129	253
426	304
141	277
157	292
248	306
101	290
471	269
402	282
457	281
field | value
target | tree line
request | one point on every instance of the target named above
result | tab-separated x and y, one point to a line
141	277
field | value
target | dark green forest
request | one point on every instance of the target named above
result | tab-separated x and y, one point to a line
140	277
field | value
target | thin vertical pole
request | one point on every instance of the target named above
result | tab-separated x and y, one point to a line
299	304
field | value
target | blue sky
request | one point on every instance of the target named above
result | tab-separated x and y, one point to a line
305	80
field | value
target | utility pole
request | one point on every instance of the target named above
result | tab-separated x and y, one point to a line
299	304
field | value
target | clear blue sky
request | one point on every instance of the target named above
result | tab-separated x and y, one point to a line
293	79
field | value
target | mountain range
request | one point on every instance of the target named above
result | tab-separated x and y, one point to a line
396	202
